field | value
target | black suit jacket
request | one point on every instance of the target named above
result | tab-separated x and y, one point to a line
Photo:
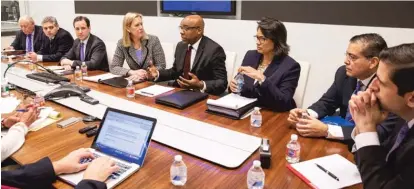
209	65
95	54
40	175
53	50
338	96
276	92
19	42
397	172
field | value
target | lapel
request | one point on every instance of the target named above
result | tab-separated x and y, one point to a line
133	55
273	67
199	52
88	46
400	153
24	40
144	52
350	86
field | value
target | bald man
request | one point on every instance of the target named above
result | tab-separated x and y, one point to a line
199	61
29	38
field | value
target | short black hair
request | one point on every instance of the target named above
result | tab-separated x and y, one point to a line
374	44
274	30
401	57
80	18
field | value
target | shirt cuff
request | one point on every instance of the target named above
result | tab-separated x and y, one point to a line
366	139
21	127
260	82
158	76
39	58
312	113
335	132
204	87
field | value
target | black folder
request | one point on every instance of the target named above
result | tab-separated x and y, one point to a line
181	99
118	82
230	113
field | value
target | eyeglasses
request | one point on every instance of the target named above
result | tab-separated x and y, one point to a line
354	58
185	28
260	39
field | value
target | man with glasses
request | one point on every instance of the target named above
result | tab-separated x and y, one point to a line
56	42
29	37
199	61
361	63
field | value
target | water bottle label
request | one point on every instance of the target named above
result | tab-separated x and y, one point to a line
177	178
131	91
258	183
292	153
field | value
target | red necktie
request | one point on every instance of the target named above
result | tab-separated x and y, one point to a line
187	63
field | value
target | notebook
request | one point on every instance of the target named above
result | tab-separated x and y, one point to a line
123	136
232	106
181	99
153	90
309	172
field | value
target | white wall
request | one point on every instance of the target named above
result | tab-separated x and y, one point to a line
323	46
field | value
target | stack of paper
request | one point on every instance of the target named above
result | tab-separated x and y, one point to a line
97	78
153	90
232	105
344	170
46	117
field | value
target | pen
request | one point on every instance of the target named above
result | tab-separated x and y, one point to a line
147	93
326	171
21	110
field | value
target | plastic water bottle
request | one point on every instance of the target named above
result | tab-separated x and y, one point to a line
39	100
304	115
239	83
256	118
130	89
78	73
84	69
5	89
293	149
255	176
178	171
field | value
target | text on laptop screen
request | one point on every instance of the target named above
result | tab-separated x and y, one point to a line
124	137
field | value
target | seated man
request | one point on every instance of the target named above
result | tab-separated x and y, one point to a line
389	164
43	173
29	38
199	61
18	124
87	48
56	42
361	63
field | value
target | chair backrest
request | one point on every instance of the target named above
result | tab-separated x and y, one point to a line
169	49
230	62
303	80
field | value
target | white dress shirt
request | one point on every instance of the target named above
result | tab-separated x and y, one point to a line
335	131
13	140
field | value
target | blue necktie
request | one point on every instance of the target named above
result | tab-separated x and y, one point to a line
348	115
82	54
401	135
29	43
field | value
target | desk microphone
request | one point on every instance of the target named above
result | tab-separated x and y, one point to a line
30	62
265	154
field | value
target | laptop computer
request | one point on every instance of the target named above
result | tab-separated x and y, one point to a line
123	136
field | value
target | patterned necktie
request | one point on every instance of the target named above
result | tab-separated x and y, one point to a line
401	135
358	88
187	62
29	43
82	54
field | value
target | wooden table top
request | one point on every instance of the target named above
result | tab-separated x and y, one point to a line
56	143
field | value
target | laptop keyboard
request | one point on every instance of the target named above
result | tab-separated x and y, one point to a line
122	167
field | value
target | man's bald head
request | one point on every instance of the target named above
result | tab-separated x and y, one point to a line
197	20
26	24
192	28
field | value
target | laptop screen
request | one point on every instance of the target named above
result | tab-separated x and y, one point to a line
125	136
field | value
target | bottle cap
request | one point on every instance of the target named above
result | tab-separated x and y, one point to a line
129	81
294	137
256	163
178	158
77	67
256	108
83	63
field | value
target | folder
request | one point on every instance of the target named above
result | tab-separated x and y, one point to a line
181	99
337	120
231	106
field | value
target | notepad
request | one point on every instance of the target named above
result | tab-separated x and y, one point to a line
346	171
231	101
153	90
8	104
53	67
96	78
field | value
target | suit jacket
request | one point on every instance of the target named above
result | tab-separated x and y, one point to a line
338	96
209	65
397	172
95	54
151	51
40	175
276	92
19	42
53	50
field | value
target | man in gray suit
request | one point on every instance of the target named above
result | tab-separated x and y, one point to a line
199	61
86	48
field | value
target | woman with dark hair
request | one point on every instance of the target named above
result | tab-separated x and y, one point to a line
270	74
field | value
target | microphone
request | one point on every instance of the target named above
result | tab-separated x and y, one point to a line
30	62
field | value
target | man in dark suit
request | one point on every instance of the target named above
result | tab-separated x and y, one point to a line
55	43
199	61
87	48
29	38
361	63
44	172
389	164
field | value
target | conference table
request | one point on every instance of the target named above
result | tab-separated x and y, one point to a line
56	142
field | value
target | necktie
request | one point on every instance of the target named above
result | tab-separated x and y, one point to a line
401	135
187	62
29	43
358	87
82	54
